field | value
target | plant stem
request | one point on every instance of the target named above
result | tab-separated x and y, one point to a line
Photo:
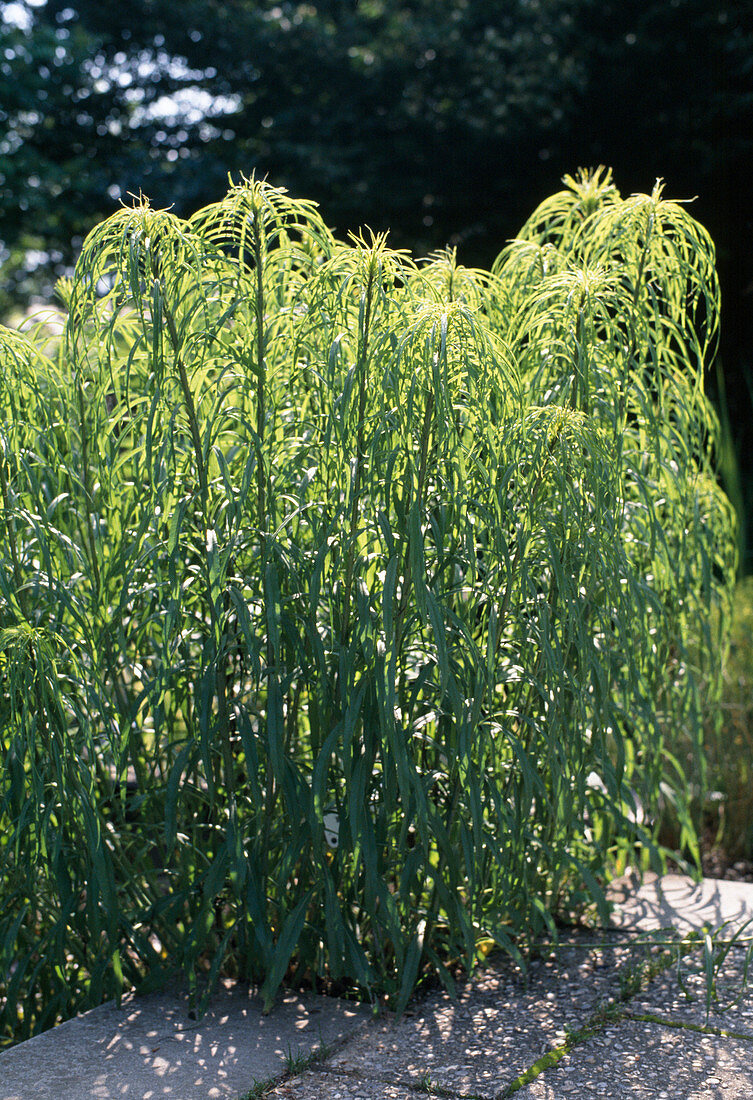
361	364
422	470
11	536
261	379
220	671
193	422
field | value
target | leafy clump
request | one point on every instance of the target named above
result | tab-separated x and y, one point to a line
348	604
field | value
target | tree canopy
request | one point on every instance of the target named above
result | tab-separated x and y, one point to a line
442	123
393	114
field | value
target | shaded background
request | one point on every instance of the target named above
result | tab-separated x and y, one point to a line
446	122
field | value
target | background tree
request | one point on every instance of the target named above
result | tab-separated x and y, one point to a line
436	123
444	123
406	116
670	92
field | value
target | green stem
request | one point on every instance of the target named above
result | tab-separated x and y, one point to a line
118	687
633	344
422	470
261	378
220	671
11	536
87	483
580	384
193	421
265	523
361	364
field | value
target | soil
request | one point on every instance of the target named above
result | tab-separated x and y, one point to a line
716	864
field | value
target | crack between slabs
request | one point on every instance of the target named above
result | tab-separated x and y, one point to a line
554	1056
637	978
594	1025
421	1086
684	1025
298	1064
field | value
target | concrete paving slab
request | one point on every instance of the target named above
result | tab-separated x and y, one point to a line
149	1048
500	1024
679	994
323	1085
676	901
645	1061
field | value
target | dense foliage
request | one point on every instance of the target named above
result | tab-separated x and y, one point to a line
355	102
439	121
349	606
725	814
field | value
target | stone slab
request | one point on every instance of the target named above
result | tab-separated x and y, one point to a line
502	1022
676	901
703	989
647	1061
324	1085
149	1048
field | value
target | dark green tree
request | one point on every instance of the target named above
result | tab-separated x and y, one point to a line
441	122
670	93
418	117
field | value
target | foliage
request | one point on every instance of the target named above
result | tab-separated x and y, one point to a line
669	93
357	102
346	602
58	154
725	811
439	121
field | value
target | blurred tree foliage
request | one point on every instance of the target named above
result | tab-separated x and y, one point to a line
419	117
670	90
444	122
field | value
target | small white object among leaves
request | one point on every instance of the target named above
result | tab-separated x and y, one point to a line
331	824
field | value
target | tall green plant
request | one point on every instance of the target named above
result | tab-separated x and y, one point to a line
347	601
